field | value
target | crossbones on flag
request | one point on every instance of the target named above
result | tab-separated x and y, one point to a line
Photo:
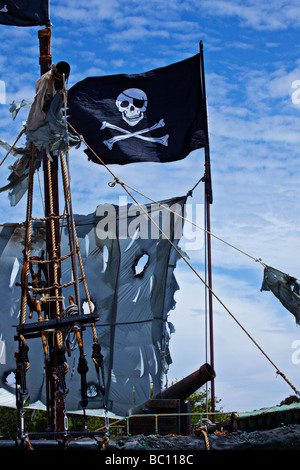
157	116
24	12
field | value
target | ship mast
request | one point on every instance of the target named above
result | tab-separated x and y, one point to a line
45	295
51	200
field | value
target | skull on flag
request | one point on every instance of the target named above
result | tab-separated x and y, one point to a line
132	104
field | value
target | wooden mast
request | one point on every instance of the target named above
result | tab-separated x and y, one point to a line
51	195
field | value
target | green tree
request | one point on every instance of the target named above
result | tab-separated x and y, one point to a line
199	404
8	423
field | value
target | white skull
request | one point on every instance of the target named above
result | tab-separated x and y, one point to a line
132	103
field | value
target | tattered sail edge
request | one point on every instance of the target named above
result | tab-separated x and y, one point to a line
46	129
285	288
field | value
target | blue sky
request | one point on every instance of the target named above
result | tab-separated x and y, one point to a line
252	59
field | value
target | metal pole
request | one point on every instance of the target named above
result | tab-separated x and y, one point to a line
208	202
51	190
210	299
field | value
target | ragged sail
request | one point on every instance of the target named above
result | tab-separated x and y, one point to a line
286	288
129	270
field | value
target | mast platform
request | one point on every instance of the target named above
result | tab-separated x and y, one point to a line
33	329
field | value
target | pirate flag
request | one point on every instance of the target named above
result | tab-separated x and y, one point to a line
24	12
157	116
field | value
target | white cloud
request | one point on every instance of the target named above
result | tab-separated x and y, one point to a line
275	15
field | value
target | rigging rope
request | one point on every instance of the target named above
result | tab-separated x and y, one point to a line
67	192
116	180
27	236
213	293
54	258
122	183
11	148
193	223
97	357
125	186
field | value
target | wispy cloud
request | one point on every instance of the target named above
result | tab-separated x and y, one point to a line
275	15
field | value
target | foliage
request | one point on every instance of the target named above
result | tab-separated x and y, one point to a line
36	421
8	423
199	404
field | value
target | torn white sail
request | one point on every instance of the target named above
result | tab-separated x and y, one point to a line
129	268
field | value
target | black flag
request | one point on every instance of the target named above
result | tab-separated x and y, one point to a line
24	12
157	116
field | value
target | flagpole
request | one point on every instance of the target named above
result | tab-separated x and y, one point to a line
208	202
209	269
55	400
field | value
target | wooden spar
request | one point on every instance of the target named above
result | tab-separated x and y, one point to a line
56	400
208	201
